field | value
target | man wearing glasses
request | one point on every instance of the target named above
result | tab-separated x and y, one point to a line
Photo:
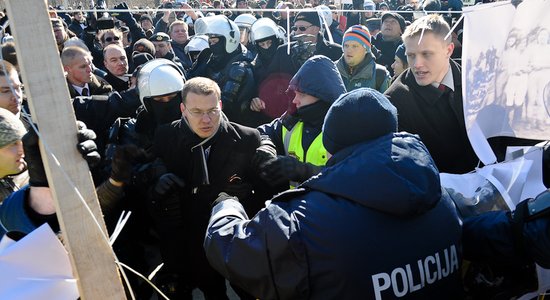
207	155
308	40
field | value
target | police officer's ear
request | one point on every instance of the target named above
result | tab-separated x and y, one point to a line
182	107
221	104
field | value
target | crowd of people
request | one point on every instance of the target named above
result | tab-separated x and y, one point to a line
294	154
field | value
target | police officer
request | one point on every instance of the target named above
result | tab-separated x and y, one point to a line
163	48
159	87
293	148
229	64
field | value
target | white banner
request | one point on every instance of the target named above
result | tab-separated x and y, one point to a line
506	72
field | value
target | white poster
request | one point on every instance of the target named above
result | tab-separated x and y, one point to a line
36	267
506	72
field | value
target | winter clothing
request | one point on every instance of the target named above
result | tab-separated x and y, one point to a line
367	74
437	117
118	84
316	242
299	134
364	108
386	55
96	87
290	64
326	87
314	235
396	16
400	52
11	129
206	170
360	34
310	17
17	215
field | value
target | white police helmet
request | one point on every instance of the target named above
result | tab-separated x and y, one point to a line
159	77
325	13
264	28
245	20
220	26
197	43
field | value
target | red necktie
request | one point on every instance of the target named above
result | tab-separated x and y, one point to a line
442	87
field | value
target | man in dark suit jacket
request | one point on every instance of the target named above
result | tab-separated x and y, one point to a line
77	64
428	96
208	155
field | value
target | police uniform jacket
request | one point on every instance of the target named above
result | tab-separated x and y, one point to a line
372	225
375	224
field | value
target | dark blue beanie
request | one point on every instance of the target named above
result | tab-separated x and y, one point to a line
358	116
401	53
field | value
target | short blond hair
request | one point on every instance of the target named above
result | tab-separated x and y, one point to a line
431	23
176	23
200	86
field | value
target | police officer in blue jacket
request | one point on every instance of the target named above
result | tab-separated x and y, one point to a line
375	224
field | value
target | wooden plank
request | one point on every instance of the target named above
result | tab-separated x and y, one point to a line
91	256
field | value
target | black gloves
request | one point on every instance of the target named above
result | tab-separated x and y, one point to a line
167	184
124	16
123	159
287	168
264	153
241	190
35	166
86	146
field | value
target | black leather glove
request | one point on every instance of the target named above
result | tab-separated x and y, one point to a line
123	159
124	16
264	153
287	168
222	197
241	190
167	184
86	145
35	166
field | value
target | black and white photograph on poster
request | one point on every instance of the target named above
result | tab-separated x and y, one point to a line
507	71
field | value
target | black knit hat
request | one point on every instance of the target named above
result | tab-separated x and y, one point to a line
400	52
145	17
358	116
396	16
310	16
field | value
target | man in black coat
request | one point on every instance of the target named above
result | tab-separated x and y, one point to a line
428	96
207	155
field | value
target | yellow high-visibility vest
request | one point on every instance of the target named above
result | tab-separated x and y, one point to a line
316	153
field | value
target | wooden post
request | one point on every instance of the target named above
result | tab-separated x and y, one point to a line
91	256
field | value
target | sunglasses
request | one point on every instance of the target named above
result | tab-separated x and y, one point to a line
110	39
300	28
